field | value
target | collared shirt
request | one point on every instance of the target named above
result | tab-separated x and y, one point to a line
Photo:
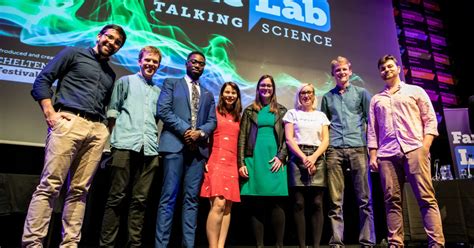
399	121
133	105
84	82
189	82
348	115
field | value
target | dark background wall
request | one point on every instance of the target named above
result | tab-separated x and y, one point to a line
458	19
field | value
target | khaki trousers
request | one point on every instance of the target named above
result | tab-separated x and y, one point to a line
73	147
415	166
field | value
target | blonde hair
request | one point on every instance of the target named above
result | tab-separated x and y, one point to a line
298	104
339	61
150	49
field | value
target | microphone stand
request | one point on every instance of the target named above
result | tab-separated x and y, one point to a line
436	165
469	166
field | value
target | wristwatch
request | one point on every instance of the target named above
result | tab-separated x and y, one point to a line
202	134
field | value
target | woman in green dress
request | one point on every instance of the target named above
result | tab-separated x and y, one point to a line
261	157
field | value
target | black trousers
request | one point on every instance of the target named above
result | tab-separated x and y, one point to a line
131	176
259	208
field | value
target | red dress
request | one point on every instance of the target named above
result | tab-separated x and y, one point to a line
222	178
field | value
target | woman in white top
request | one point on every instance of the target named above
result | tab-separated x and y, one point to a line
307	137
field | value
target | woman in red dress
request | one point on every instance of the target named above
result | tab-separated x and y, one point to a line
221	180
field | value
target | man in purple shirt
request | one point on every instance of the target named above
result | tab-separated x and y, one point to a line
402	126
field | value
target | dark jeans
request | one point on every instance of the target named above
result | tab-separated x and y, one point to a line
356	158
131	174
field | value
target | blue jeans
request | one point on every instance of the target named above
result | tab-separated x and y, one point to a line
356	158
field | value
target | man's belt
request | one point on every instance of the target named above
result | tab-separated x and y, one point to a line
81	113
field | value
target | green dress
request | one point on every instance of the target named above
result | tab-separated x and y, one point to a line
262	181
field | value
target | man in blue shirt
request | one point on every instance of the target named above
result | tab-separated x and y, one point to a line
76	135
134	142
347	108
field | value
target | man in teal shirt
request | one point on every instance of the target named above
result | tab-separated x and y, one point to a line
134	142
347	108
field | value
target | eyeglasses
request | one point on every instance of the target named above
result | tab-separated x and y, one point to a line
193	61
113	39
266	85
309	93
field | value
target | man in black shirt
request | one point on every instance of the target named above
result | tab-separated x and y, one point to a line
76	132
